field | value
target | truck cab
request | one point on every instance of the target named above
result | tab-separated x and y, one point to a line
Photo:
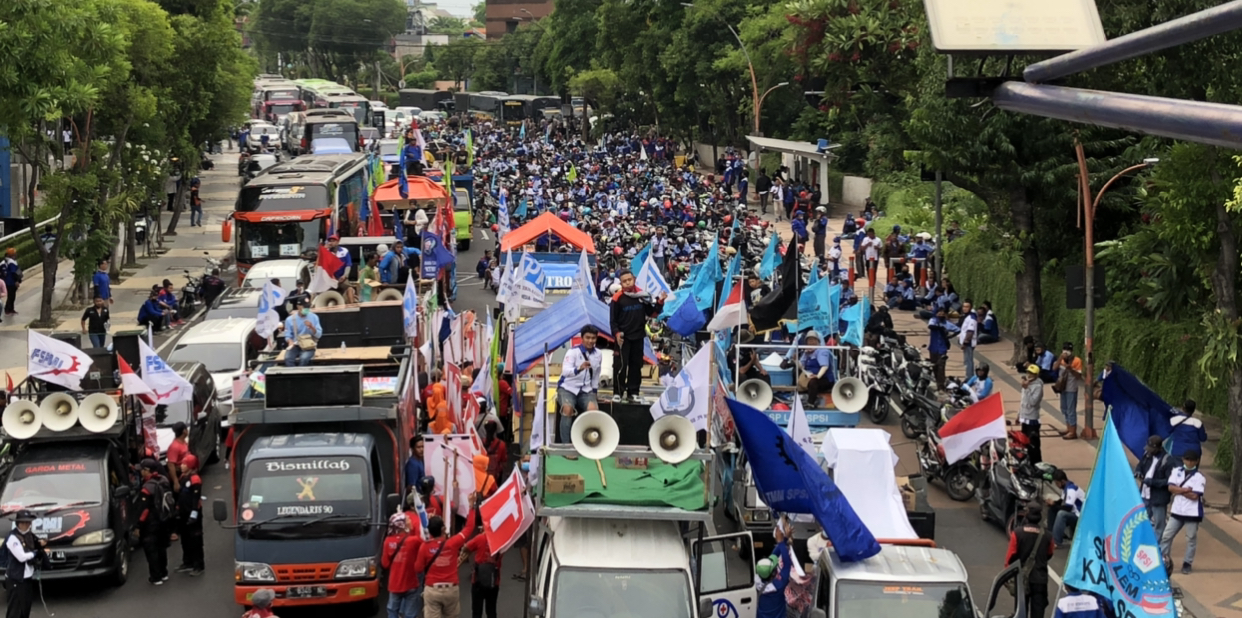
616	554
915	579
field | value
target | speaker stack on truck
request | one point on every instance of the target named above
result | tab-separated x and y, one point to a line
58	413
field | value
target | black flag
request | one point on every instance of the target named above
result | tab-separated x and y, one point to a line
768	312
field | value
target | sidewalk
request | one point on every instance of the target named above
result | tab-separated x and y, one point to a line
1212	590
185	251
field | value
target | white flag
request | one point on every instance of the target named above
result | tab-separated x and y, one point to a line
583	278
650	280
689	395
505	292
800	430
538	420
55	362
502	215
269	318
167	385
409	308
528	283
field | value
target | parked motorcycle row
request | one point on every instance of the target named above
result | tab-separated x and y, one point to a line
1000	475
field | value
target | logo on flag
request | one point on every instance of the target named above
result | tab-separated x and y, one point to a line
507	514
167	385
268	318
56	362
690	394
649	279
409	308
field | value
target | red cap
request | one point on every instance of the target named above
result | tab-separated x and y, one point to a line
334	237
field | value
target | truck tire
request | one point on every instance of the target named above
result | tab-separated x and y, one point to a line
217	451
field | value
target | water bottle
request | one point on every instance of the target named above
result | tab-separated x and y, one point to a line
342	345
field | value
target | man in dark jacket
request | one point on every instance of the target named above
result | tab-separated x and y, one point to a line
190	517
1032	542
1153	473
763	186
630	309
26	553
153	521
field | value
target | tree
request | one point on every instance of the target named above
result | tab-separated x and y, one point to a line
598	87
569	45
455	61
479	11
446	25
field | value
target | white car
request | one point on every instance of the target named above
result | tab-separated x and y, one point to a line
409	110
431	117
375	105
288	271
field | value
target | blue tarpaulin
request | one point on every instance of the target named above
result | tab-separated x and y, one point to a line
556	325
1137	412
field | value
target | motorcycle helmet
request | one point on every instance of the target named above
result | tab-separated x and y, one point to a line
495	227
617	251
912	355
728	219
702	225
426	485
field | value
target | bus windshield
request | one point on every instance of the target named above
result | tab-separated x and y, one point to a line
856	599
282	109
285	197
281	94
606	592
347	131
514	111
260	241
296	491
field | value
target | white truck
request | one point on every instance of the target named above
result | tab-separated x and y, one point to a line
613	554
913	579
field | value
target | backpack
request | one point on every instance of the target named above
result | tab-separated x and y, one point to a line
485	574
164	501
5	553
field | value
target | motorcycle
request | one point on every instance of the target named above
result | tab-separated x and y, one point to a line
1008	480
959	477
878	378
192	291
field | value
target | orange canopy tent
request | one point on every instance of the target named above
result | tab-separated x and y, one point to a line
547	223
423	193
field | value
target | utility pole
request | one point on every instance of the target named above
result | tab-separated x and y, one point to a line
377	80
939	227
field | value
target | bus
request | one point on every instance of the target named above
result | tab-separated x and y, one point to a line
486	104
518	107
292	207
323	94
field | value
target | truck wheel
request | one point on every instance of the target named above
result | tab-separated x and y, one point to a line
463	245
121	574
214	458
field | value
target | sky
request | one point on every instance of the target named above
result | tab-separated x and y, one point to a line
460	8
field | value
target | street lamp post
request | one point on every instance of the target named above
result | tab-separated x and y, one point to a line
1089	206
759	106
754	82
534	74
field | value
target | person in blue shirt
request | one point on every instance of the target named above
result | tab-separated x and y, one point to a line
772	577
1070	508
298	324
1045	359
102	282
799	227
154	313
979	385
411	159
818	367
903	296
389	264
1081	604
989	330
938	347
1188	432
415	469
168	296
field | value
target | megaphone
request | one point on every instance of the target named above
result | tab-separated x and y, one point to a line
21	419
850	395
331	298
595	435
389	294
755	393
98	412
672	437
58	411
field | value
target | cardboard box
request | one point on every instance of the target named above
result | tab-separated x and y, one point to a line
631	463
564	484
908	495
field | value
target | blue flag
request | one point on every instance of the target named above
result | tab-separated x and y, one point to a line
434	256
705	279
790	481
1138	412
1115	553
834	308
520	211
522	133
814	306
686	319
734	265
640	258
855	318
767	265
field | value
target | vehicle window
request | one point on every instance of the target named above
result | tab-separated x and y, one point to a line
217	357
281	110
257	241
350	195
306	486
461	201
389	149
922	600
724	567
583	592
823	592
51	484
344	130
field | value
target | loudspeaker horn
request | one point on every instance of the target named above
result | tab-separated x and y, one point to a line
389	294
755	393
331	298
21	419
98	412
595	435
58	411
850	395
672	438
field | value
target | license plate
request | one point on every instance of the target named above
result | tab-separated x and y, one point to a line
306	592
57	556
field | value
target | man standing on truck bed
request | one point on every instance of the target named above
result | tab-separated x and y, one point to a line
630	309
437	560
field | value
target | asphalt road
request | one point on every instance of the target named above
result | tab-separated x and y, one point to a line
959	528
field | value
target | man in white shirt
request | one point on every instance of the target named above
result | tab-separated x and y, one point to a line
871	254
580	374
1187	484
967	338
25	551
659	249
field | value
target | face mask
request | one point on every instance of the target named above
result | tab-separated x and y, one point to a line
525	466
305	312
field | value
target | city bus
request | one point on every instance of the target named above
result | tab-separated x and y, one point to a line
292	207
518	107
486	104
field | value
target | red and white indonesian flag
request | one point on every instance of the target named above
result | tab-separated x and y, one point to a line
167	386
327	264
732	314
507	514
55	361
973	427
131	384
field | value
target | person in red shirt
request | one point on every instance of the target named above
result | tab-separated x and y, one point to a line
176	452
431	502
438	559
400	551
261	604
505	404
497	450
484	576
